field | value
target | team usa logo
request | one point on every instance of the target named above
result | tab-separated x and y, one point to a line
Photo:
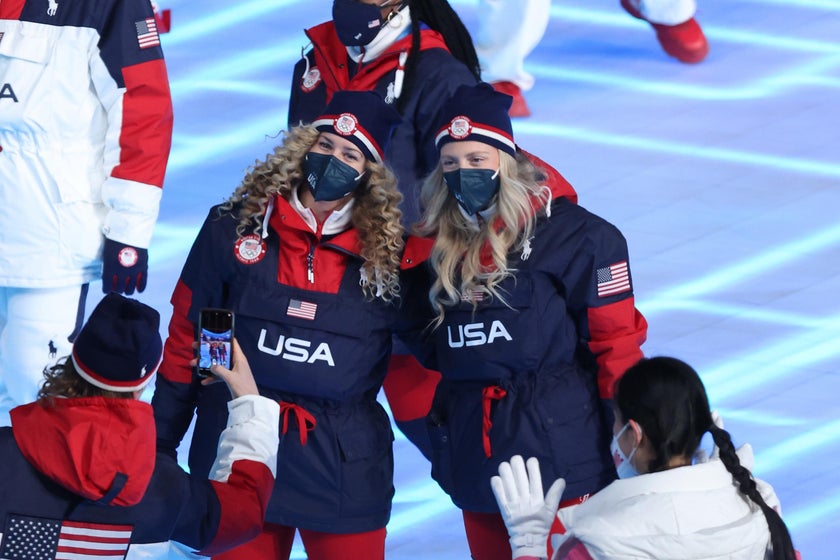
128	257
310	80
460	127
346	124
249	249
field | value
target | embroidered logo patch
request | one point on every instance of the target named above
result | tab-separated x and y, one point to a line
128	257
249	249
460	127
311	79
346	124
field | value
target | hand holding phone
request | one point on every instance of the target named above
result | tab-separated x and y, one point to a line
215	336
240	380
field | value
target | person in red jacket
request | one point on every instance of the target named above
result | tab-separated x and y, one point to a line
80	476
532	318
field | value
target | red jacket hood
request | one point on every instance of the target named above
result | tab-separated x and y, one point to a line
84	443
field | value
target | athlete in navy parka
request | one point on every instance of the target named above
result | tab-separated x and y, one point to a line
415	60
312	279
532	302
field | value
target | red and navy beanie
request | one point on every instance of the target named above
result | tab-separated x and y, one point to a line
477	113
363	118
119	348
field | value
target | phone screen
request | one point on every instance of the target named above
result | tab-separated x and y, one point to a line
215	336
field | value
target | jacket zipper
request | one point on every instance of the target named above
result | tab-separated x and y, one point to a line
310	261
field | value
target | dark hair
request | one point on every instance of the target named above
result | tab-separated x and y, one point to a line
62	380
440	17
668	399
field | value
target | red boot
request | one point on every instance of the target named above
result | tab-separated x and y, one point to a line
518	108
684	41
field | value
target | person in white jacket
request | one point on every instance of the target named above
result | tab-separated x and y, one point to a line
667	504
85	134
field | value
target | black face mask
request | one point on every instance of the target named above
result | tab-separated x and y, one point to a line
329	178
474	189
356	23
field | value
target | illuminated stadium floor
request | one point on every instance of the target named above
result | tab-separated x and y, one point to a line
724	177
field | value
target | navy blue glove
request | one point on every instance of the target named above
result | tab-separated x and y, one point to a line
124	268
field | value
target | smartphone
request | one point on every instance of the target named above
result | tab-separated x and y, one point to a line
215	331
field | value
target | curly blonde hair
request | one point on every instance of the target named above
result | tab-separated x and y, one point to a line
459	244
375	213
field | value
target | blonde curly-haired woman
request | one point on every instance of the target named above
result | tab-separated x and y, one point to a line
532	317
307	254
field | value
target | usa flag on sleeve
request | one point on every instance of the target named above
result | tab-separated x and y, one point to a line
37	538
302	309
147	34
613	279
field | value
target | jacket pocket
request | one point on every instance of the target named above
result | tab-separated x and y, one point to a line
367	464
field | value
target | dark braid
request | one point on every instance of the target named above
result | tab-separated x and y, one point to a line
779	535
439	16
668	400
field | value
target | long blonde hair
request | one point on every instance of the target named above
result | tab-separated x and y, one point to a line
375	213
459	244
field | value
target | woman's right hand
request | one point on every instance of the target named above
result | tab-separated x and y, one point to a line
527	513
239	380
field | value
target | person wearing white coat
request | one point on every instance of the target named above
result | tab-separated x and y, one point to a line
663	506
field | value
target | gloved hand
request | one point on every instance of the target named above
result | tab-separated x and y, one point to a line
124	268
528	515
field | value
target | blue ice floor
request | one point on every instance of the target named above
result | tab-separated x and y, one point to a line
724	177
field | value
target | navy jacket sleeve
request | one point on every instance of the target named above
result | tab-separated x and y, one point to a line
600	288
201	285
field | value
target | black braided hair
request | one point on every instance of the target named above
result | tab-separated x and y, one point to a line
439	16
779	535
667	398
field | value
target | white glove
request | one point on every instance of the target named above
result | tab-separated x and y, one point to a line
528	515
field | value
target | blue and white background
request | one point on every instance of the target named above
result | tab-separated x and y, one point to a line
724	177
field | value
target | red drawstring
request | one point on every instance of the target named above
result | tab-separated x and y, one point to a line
489	394
305	421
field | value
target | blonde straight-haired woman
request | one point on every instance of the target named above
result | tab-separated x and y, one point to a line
531	318
307	255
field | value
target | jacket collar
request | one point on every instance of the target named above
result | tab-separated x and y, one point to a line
285	220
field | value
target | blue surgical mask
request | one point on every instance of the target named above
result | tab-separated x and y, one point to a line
330	178
474	189
623	466
356	23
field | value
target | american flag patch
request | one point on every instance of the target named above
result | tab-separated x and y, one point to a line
147	35
37	538
613	279
302	309
472	295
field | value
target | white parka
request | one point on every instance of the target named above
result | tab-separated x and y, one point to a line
85	132
688	513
